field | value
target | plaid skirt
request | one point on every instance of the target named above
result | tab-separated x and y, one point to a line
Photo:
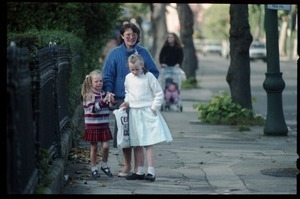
98	135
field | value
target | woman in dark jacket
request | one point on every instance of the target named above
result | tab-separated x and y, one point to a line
171	53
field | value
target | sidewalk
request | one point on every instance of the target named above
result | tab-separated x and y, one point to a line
202	159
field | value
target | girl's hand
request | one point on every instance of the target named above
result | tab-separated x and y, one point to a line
89	97
112	102
153	111
109	97
124	105
112	99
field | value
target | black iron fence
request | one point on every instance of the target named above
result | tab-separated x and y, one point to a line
37	113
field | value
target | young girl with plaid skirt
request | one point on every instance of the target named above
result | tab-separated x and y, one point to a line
96	103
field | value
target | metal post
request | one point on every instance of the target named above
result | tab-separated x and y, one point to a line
273	84
298	103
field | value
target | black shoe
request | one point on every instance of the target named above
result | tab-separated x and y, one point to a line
150	177
134	176
107	171
95	174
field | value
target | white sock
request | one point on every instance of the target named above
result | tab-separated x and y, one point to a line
140	171
151	170
94	168
104	165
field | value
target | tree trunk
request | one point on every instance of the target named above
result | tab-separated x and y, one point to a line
190	62
258	25
283	35
238	75
293	38
159	28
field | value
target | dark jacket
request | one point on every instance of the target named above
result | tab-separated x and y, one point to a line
171	55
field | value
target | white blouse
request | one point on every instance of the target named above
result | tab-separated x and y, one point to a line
143	91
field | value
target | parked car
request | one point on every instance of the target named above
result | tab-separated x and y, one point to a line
198	45
258	51
225	49
212	48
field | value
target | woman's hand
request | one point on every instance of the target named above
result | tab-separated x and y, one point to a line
124	105
153	111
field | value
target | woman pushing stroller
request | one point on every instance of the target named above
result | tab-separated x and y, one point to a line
170	58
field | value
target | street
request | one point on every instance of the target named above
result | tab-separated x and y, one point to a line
202	158
212	75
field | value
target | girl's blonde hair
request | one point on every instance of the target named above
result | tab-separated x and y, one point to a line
86	89
135	57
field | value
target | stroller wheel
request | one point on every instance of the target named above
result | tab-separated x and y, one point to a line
167	107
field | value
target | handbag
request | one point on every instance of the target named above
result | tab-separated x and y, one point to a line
123	139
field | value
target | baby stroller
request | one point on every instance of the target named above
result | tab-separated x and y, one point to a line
171	79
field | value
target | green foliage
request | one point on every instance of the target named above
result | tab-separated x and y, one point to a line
43	171
191	82
73	17
216	23
83	27
256	19
222	110
217	20
93	23
34	39
243	128
135	9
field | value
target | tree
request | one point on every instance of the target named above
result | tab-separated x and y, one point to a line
216	22
256	16
136	12
238	75
190	62
284	18
159	28
293	37
91	22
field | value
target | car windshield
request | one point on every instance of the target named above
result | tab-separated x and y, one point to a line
257	45
213	44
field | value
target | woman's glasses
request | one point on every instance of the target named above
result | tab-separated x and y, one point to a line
128	36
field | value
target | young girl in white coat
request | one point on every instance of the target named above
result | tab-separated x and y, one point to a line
144	96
